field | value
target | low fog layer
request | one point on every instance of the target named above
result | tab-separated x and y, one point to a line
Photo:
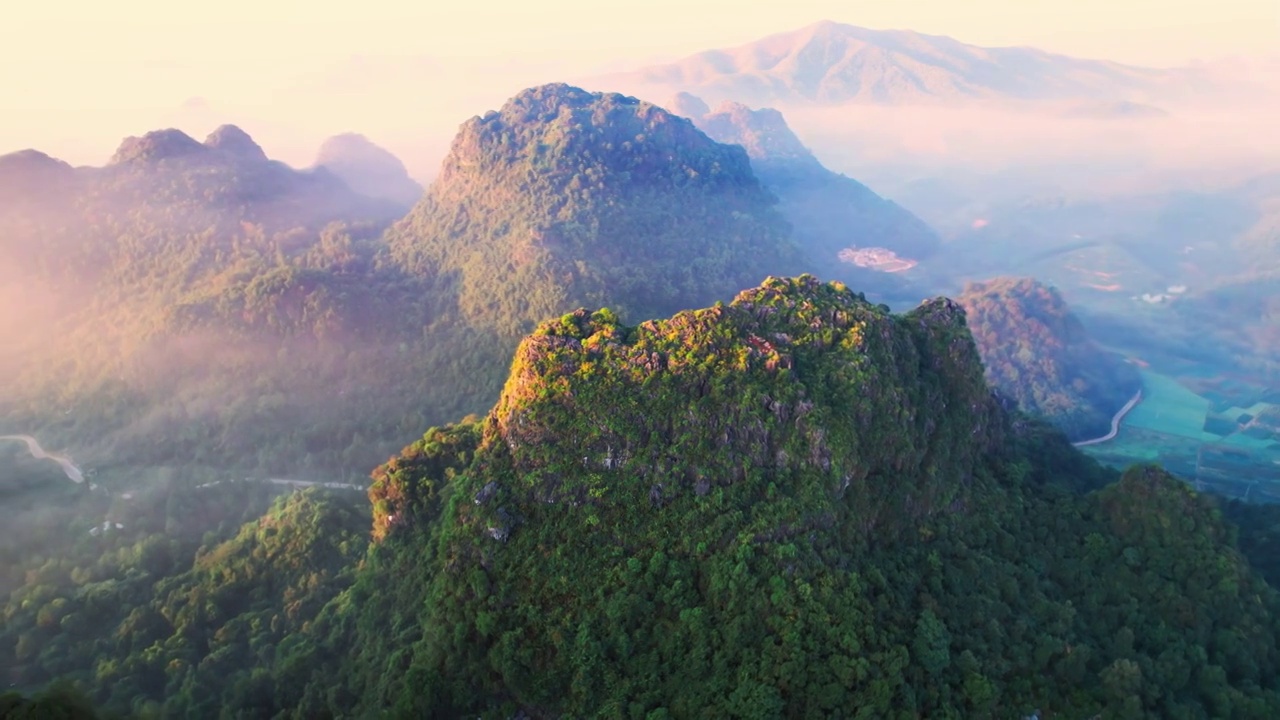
1188	148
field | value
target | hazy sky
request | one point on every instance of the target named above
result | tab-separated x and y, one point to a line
77	75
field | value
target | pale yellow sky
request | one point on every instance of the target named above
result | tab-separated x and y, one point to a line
77	75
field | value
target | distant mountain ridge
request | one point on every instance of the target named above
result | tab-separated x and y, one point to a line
829	212
762	132
166	168
831	63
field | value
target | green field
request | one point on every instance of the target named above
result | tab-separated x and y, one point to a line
1168	407
1198	437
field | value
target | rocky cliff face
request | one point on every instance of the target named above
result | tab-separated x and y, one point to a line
794	377
795	383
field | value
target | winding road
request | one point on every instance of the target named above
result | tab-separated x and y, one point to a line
69	468
1115	422
74	473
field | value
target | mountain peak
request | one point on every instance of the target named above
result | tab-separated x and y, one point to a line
776	336
764	133
558	127
573	198
231	139
556	103
553	96
368	169
829	213
31	173
30	160
345	142
689	105
157	145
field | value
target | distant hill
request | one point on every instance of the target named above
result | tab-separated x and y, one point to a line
369	169
62	223
1260	243
831	63
1240	319
1037	353
196	300
831	213
28	176
165	169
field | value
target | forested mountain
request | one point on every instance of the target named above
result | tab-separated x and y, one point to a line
829	211
566	198
1037	353
791	505
368	169
199	304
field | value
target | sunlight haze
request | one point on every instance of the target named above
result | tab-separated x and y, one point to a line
662	360
78	76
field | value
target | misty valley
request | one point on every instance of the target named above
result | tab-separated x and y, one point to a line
692	391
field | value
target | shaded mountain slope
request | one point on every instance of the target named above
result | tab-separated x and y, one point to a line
1239	319
829	211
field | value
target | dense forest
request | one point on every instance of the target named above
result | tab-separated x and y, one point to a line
1038	353
61	701
796	504
96	583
